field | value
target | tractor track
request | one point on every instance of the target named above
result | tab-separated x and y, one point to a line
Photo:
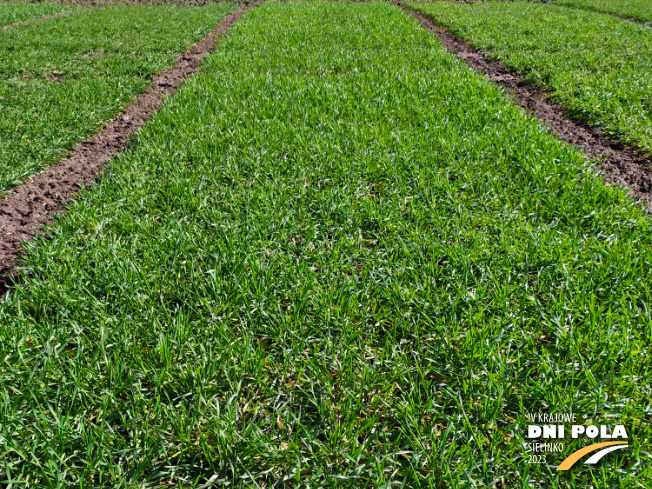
36	200
619	164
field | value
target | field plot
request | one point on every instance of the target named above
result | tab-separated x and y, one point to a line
12	13
630	9
60	80
599	67
337	256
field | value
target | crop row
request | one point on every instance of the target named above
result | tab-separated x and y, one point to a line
60	80
632	9
598	66
12	13
336	256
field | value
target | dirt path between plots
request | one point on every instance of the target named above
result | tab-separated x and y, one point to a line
620	165
39	19
37	199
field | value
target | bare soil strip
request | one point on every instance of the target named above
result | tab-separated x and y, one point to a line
37	199
620	165
39	19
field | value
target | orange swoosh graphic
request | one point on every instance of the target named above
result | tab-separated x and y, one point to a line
575	456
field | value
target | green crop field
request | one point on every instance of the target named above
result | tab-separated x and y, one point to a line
597	66
336	257
631	9
11	13
61	79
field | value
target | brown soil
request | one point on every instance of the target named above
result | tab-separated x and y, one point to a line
620	165
38	19
31	204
